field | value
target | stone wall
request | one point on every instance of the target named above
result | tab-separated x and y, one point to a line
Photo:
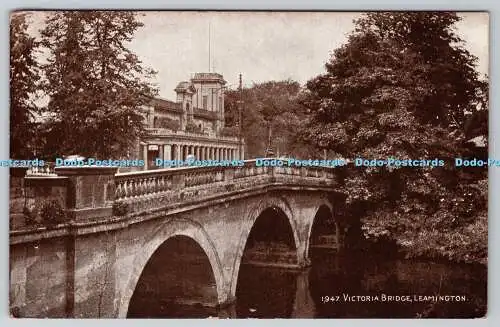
16	202
38	278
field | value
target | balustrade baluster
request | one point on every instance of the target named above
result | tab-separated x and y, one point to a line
152	185
124	185
168	183
144	186
147	186
131	188
127	187
118	191
148	189
161	184
167	180
157	184
139	187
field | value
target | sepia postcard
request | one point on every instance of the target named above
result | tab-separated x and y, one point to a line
198	164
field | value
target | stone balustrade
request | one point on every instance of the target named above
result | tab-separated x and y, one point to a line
92	193
151	190
168	132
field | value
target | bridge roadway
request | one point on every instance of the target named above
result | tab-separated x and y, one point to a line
89	263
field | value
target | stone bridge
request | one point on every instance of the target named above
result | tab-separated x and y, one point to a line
81	239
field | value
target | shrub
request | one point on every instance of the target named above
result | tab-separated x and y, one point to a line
120	208
29	216
52	213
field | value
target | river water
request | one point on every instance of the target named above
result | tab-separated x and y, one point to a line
355	287
348	286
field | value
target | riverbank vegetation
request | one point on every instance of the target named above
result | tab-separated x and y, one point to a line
403	86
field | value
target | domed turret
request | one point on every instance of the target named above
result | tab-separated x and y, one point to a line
185	91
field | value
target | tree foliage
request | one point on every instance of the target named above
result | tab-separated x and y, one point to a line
269	109
402	86
445	67
95	83
24	78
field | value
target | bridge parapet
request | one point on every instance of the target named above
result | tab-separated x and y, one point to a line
91	194
67	195
150	190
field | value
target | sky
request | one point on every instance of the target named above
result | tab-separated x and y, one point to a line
262	46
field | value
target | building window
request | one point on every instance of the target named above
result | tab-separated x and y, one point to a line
205	102
220	104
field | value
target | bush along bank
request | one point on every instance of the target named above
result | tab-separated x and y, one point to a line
467	243
441	214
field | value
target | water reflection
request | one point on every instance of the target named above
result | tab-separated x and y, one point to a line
279	293
265	292
348	287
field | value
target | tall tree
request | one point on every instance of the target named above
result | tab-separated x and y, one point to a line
24	77
271	111
401	87
445	69
95	83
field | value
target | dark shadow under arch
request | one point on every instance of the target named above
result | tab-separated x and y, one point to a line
325	233
270	245
177	282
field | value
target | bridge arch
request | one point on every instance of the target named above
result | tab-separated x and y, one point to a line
165	232
324	210
254	213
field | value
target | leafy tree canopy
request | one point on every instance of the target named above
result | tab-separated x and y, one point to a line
95	83
271	110
24	78
402	86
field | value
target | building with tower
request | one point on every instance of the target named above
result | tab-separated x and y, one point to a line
192	125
